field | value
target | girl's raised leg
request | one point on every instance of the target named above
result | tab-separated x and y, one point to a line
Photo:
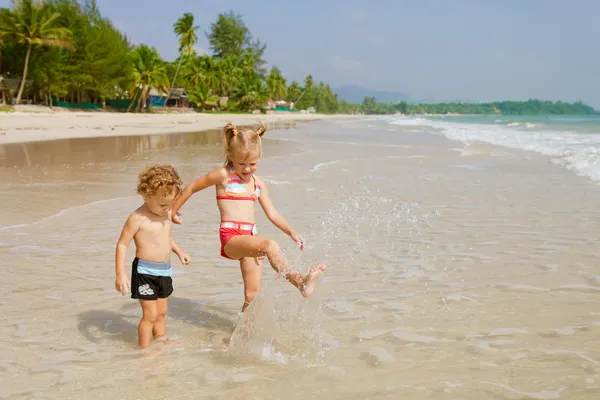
243	246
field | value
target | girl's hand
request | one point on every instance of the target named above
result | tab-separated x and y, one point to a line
175	218
122	284
184	258
298	240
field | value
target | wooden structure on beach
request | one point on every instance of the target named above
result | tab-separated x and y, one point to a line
9	88
280	105
178	98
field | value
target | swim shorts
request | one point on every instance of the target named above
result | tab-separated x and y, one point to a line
151	280
230	229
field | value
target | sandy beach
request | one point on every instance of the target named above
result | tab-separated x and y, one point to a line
455	271
29	126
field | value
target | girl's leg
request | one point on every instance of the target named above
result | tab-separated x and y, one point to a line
252	275
149	317
160	326
243	246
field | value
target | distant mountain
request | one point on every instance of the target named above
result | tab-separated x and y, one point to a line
356	94
427	100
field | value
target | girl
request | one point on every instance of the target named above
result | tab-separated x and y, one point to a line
237	190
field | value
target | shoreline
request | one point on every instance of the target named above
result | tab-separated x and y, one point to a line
27	126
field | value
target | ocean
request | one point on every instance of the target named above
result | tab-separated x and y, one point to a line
571	141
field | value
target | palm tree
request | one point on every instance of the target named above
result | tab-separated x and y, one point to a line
211	72
294	91
251	93
185	30
308	82
276	84
228	75
32	22
149	71
194	70
203	96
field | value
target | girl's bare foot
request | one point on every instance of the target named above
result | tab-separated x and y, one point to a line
308	283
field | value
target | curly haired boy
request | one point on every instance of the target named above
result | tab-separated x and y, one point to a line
150	228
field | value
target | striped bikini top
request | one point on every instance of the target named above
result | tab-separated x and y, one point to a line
235	189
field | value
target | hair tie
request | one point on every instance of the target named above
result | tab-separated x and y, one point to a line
261	130
232	127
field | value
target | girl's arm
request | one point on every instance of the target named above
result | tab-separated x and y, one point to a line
212	178
274	216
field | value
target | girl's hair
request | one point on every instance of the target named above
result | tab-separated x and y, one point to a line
159	180
246	140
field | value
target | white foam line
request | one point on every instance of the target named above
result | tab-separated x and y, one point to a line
8	227
274	182
321	165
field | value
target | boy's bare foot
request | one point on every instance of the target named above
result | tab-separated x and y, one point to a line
308	283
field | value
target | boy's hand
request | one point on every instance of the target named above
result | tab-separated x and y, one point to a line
122	284
175	218
184	258
298	240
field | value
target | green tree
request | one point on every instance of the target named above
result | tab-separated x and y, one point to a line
33	23
369	103
148	72
203	96
228	75
251	93
186	32
228	35
98	68
294	91
276	84
308	82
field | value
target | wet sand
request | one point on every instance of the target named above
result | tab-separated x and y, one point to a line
453	272
21	127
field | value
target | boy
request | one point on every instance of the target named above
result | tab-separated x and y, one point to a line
150	228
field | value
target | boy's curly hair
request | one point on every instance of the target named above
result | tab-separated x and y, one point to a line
159	180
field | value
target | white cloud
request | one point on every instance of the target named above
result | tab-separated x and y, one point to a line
344	64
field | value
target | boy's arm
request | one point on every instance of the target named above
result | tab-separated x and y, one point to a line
274	216
212	178
129	230
175	247
183	257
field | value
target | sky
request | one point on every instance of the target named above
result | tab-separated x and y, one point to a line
471	50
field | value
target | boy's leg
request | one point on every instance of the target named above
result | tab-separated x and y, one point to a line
149	317
242	246
160	326
252	275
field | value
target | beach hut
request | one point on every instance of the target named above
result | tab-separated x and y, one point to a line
9	88
280	105
179	98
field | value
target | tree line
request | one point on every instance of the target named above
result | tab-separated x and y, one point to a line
66	50
529	107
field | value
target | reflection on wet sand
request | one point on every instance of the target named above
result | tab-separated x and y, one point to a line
104	149
75	151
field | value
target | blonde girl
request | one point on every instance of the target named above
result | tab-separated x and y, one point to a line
237	189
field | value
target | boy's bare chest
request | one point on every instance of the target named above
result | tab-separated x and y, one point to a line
155	229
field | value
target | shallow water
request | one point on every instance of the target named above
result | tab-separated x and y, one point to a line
453	272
